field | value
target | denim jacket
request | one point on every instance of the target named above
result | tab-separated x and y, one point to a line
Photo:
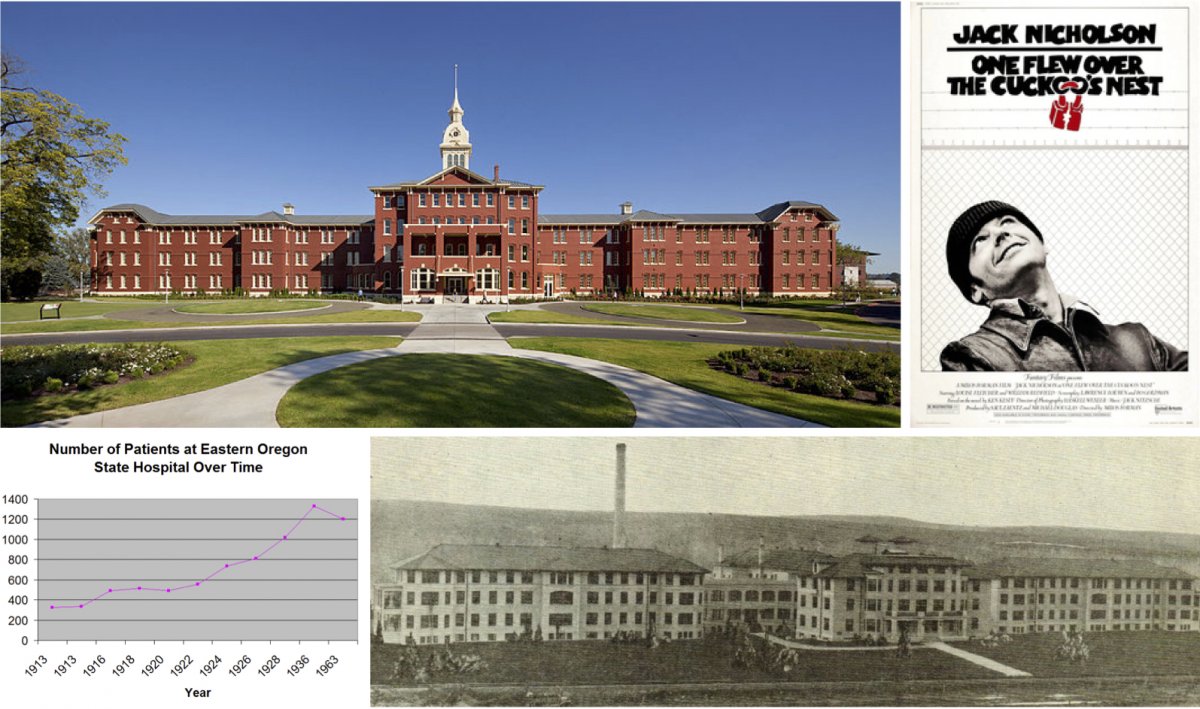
1018	337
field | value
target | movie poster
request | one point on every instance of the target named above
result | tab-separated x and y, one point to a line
1050	225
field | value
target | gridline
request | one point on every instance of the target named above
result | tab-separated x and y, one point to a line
1114	221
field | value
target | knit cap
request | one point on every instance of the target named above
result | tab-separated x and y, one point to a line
963	232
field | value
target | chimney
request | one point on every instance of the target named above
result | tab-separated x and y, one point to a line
760	557
720	554
496	173
288	209
627	208
618	536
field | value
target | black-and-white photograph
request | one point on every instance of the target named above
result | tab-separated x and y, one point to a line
998	259
860	571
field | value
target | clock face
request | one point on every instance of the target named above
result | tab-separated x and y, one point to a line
454	133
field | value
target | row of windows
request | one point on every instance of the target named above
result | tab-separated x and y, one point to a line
1116	584
594	578
749	595
1019	599
814	281
438	199
558	235
750	615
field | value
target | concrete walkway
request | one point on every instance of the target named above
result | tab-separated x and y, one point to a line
980	660
774	640
445	329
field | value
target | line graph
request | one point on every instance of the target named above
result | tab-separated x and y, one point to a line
197	569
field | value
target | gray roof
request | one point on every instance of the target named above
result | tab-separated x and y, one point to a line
730	218
153	217
855	565
1076	568
771	213
782	559
454	168
530	558
720	218
610	219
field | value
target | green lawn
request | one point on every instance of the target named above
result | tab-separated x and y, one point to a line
551	316
1114	653
600	662
663	312
827	318
67	325
24	312
249	306
685	364
216	362
454	391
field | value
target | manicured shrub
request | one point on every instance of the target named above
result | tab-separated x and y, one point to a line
53	384
837	373
23	369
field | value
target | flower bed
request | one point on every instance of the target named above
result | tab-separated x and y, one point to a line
28	371
837	374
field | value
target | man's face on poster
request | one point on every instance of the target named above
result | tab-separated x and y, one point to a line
1001	252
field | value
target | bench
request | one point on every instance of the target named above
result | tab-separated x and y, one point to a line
426	300
43	312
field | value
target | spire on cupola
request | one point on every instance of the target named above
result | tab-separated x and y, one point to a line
456	111
456	144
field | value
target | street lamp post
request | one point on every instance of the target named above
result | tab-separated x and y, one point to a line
742	291
402	288
167	287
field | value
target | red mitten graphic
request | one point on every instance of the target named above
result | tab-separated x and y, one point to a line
1058	112
1075	114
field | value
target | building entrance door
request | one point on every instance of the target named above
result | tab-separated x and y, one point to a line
456	285
548	286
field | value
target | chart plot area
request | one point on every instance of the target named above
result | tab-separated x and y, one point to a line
195	569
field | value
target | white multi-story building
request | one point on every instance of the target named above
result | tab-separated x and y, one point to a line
481	593
1094	595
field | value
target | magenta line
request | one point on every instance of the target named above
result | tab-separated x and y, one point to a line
297	524
315	507
197	583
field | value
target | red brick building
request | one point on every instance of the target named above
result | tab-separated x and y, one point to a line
463	234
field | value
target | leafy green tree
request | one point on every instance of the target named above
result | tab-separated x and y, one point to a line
53	157
69	267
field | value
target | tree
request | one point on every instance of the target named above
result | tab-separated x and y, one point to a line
53	157
69	266
851	255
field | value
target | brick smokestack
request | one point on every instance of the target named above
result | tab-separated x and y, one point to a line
496	173
618	533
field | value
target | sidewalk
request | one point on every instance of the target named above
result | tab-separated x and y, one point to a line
445	329
979	660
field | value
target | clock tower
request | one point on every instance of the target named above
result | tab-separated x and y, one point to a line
456	143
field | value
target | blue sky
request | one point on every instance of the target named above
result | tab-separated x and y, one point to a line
236	108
